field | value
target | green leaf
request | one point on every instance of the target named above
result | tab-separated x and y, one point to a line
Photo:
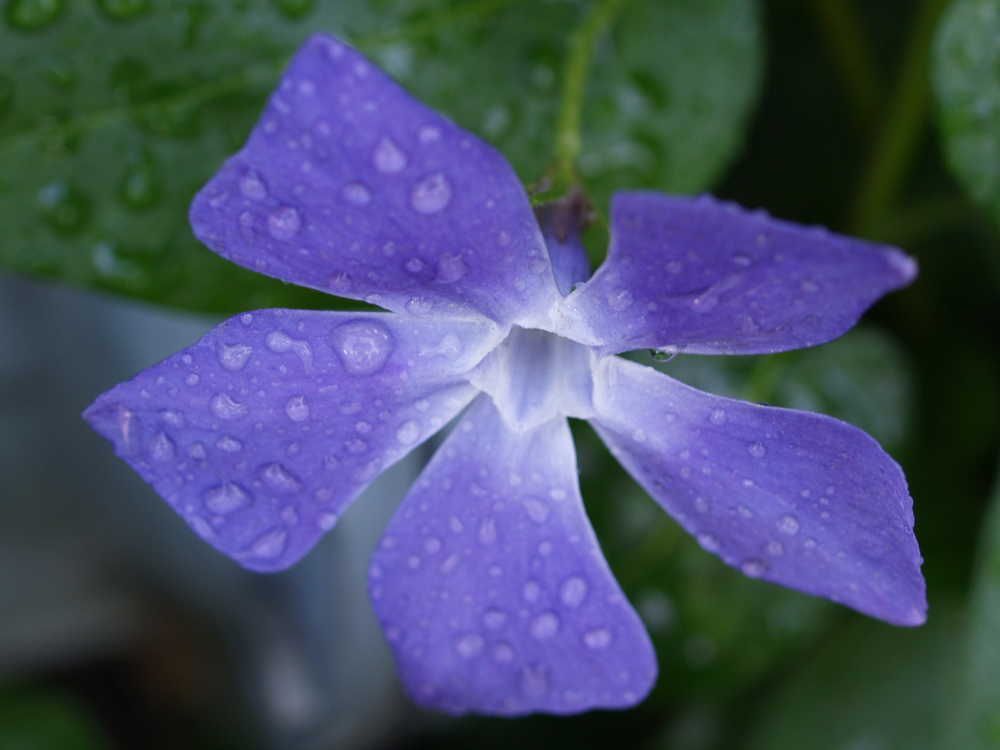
670	94
966	78
871	687
114	113
41	719
974	721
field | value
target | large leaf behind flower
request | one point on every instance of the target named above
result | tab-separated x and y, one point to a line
113	113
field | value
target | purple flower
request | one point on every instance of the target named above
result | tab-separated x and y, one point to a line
489	581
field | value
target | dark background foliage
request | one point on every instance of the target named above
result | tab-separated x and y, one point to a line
879	119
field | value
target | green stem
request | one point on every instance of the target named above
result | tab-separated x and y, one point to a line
841	24
568	141
904	122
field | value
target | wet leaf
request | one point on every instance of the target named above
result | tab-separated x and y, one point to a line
966	78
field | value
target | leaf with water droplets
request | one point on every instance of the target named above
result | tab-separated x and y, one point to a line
965	71
104	143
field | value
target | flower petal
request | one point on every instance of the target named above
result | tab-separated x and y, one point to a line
707	277
262	433
350	186
796	498
490	585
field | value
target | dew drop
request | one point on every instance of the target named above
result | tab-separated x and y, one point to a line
284	223
357	194
494	619
197	450
469	646
533	680
297	409
408	432
487	531
664	353
718	417
788	525
30	15
754	568
388	157
620	299
174	418
162	448
708	542
503	653
537	510
775	548
414	265
143	180
431	194
544	627
597	639
229	444
270	544
234	358
280	342
363	346
450	268
224	407
252	186
573	591
327	521
277	477
531	591
356	446
757	449
226	498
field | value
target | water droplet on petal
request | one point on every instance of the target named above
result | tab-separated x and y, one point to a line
664	353
270	544
573	591
408	432
545	626
280	342
718	417
488	531
531	591
597	639
450	268
229	444
469	645
224	407
388	157
494	619
363	346
414	265
754	568
225	498
283	223
234	358
279	478
357	194
757	449
620	299
327	521
537	510
503	653
297	409
533	680
708	542
788	525
431	194
775	548
252	186
161	448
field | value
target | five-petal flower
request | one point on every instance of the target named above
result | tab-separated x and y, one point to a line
489	581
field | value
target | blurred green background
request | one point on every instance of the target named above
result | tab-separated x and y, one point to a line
879	118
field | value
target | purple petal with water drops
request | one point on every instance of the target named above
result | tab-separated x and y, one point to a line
707	277
350	186
796	498
490	585
262	433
